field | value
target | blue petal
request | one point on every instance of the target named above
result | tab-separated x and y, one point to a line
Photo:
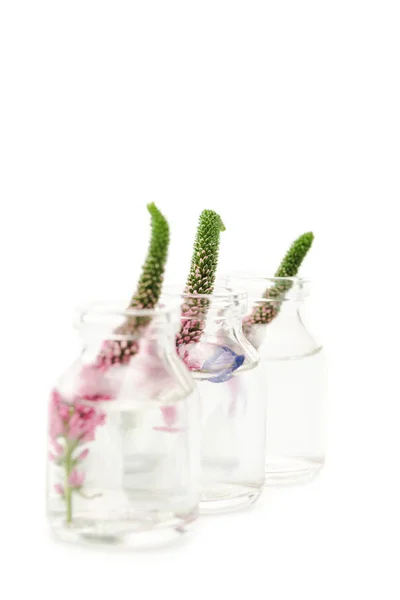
224	360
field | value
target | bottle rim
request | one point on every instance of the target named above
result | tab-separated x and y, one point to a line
220	292
298	288
247	275
224	300
99	312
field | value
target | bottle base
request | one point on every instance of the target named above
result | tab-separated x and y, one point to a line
121	536
291	471
225	497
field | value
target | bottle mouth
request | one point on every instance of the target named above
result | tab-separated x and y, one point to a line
224	300
107	317
262	288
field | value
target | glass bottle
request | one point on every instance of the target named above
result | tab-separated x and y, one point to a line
222	361
292	365
124	450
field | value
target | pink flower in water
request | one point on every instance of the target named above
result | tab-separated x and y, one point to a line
59	489
76	479
82	455
58	452
83	423
170	417
218	361
191	356
94	384
72	421
71	424
57	449
58	415
151	373
169	414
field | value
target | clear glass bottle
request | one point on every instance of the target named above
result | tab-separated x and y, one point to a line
124	448
293	367
212	344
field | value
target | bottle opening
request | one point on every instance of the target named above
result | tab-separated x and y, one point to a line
114	321
224	302
270	289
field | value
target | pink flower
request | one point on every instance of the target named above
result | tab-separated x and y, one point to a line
59	489
82	455
169	414
83	423
94	384
97	397
191	356
58	449
167	429
76	479
75	422
150	373
218	361
58	415
114	352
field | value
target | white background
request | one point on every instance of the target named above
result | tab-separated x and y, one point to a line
284	117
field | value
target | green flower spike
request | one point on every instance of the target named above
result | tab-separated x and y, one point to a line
201	277
147	293
151	279
289	267
295	255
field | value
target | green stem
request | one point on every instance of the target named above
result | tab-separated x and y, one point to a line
68	489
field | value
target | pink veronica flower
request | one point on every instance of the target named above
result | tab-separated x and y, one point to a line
83	423
56	457
75	422
58	416
82	455
115	352
76	479
59	489
57	448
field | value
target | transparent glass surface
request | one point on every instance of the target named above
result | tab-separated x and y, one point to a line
293	369
124	448
233	442
231	402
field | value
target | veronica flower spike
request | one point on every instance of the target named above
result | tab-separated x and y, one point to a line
289	267
291	263
204	263
151	280
147	293
217	359
202	273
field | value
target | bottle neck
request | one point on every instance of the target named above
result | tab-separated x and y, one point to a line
106	349
286	309
286	336
220	334
291	310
